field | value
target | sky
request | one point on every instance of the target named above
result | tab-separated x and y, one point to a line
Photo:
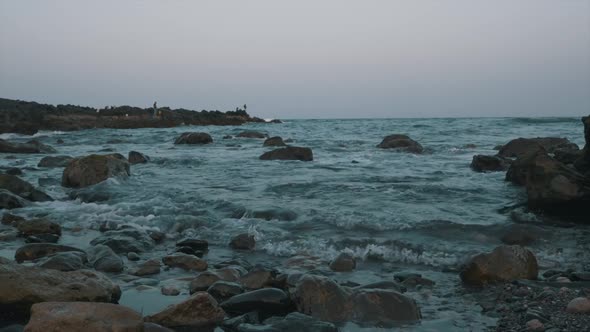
303	59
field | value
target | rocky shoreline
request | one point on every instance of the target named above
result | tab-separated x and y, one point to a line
52	285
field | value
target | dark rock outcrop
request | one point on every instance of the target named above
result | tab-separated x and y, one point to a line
289	153
251	134
482	163
583	162
65	261
93	169
32	146
55	161
401	143
505	263
274	141
194	138
522	146
137	158
22	188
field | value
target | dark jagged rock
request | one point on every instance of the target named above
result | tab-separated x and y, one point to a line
194	138
11	219
274	214
482	163
251	134
13	171
289	153
243	242
197	311
32	146
22	188
274	141
343	263
267	301
9	200
93	169
137	158
125	240
33	251
55	161
505	263
401	143
522	146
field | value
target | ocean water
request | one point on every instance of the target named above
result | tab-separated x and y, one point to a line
394	211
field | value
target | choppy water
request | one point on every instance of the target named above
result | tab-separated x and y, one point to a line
395	211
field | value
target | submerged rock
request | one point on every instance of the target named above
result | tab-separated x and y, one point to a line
481	163
137	158
274	141
251	134
32	146
289	153
55	161
243	242
22	188
77	316
505	263
33	251
197	311
343	263
401	143
194	138
126	240
93	169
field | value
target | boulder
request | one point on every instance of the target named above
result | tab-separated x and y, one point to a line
481	163
505	263
194	138
243	242
267	301
38	226
258	277
197	311
401	143
322	298
223	290
32	146
126	240
104	259
251	134
137	158
9	200
522	146
579	305
274	141
381	307
33	251
22	188
93	169
195	244
289	153
64	261
13	171
11	219
75	316
184	261
149	267
55	161
203	281
343	263
22	286
294	322
517	172
387	285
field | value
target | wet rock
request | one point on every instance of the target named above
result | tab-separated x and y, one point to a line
132	256
93	169
243	242
297	322
42	238
33	251
104	259
579	305
343	263
413	282
125	240
184	261
401	143
55	161
157	236
251	134
235	323
481	163
195	244
227	137
388	285
535	325
189	251
505	263
523	235
223	290
289	153
8	235
268	301
274	141
38	226
75	316
22	188
65	261
583	162
137	158
149	267
32	146
199	310
517	172
567	156
194	138
383	307
258	277
9	200
11	219
13	171
274	214
170	290
231	273
22	286
323	299
522	146
580	276
203	281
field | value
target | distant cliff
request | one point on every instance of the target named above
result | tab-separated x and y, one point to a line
29	117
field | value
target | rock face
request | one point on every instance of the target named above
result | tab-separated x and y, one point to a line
55	161
251	134
505	263
522	146
73	316
125	240
93	169
23	286
137	158
199	310
274	141
194	138
482	163
401	143
289	153
32	146
22	188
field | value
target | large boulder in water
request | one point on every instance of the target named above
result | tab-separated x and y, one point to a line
194	138
22	286
401	143
522	146
93	169
505	263
22	188
76	316
32	146
289	153
482	163
199	310
137	158
274	141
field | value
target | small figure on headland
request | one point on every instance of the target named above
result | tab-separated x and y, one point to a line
155	109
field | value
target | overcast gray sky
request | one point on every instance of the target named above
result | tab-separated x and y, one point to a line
303	59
